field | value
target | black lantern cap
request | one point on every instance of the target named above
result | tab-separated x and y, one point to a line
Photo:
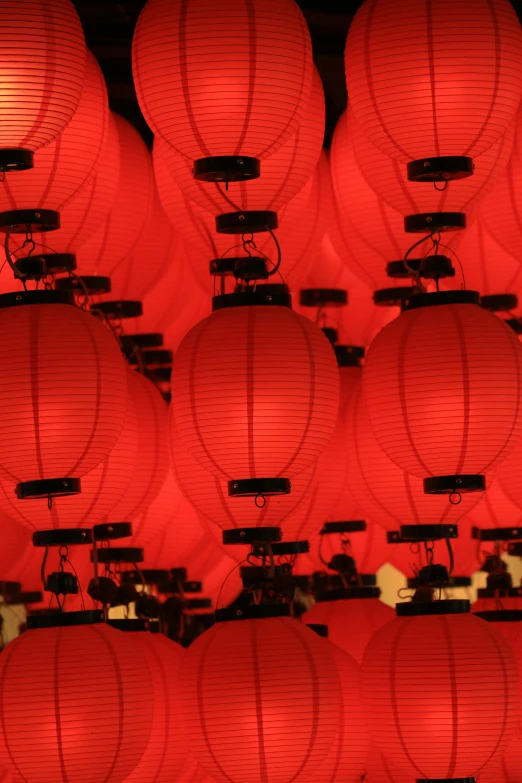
119	308
16	159
457	484
425	609
392	297
48	488
270	294
260	486
499	302
74	536
43	296
426	223
320	297
251	535
440	169
259	612
416	301
120	554
64	619
84	284
248	222
226	168
23	221
37	266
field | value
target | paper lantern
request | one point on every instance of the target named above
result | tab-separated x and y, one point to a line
53	672
170	529
496	508
408	69
15	539
42	50
352	615
152	463
63	389
285	173
431	730
386	493
465	558
274	393
380	770
280	676
427	208
506	769
442	389
63	167
102	487
238	89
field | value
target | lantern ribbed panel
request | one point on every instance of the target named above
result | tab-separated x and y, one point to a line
166	750
277	675
508	769
102	487
170	530
131	209
15	539
87	711
152	463
380	770
502	207
351	622
388	177
283	175
222	78
496	508
256	392
63	388
365	231
63	167
191	772
409	68
192	310
424	709
42	50
389	495
442	386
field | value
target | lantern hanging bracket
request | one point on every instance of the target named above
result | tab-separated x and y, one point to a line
442	169
496	533
16	159
227	168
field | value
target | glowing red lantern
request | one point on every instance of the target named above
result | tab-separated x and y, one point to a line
508	476
408	69
51	670
285	173
15	539
496	508
264	659
428	208
274	383
102	487
222	96
49	439
506	769
42	50
430	729
152	463
64	166
442	390
380	770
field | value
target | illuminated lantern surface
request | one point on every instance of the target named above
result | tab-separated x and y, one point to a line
508	476
63	167
52	671
45	347
496	509
442	387
283	675
407	69
507	769
16	538
42	50
431	730
274	392
168	517
240	88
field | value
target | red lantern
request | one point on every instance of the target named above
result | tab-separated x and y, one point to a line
53	671
152	463
285	173
15	539
273	401
424	207
507	769
237	91
64	166
379	770
102	487
420	673
442	390
64	389
496	508
508	476
42	50
279	675
169	518
408	69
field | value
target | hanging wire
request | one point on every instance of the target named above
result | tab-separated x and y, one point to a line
410	250
450	249
9	257
451	557
227	576
278	248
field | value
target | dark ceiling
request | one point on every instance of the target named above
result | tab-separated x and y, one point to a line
109	26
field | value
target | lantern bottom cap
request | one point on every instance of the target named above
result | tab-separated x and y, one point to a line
499	302
48	488
454	485
392	297
73	536
428	222
342	526
23	221
259	487
227	168
84	284
434	267
112	531
440	169
38	266
251	535
248	222
64	619
119	308
263	295
16	159
119	554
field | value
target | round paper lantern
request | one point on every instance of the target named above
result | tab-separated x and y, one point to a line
274	392
284	174
408	69
508	476
64	166
53	672
427	208
240	89
166	752
496	508
15	539
102	487
442	389
386	493
64	387
507	769
280	675
42	50
152	463
352	614
431	730
170	529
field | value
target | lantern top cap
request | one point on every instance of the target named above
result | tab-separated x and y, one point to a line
432	608
440	298
260	612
